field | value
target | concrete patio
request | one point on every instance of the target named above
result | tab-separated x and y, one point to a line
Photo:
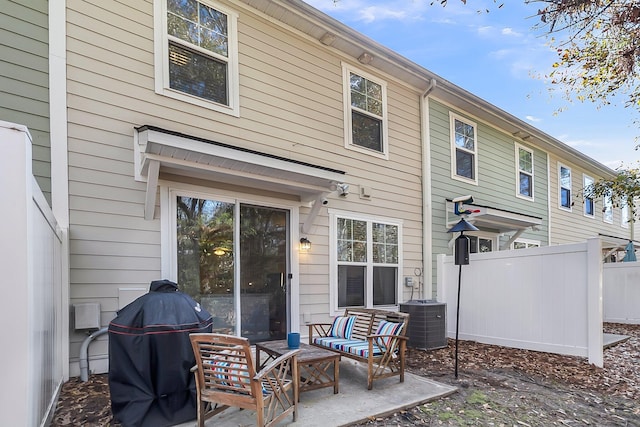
353	404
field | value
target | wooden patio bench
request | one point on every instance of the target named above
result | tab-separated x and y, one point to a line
372	336
226	377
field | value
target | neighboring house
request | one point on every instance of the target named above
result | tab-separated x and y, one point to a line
575	217
512	171
205	140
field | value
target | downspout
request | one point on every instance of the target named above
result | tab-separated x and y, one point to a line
84	353
427	249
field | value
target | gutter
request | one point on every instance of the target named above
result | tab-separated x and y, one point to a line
427	251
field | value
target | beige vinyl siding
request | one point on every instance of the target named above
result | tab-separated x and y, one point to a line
496	177
24	81
290	106
571	227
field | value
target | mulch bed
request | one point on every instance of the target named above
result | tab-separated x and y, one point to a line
484	369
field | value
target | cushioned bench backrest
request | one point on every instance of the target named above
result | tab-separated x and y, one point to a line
368	320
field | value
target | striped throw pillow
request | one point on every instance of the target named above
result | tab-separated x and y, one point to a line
342	327
388	328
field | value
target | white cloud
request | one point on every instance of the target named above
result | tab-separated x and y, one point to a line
376	13
510	32
486	30
533	119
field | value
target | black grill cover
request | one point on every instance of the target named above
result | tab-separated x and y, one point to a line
150	356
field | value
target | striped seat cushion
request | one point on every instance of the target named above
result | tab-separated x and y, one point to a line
356	347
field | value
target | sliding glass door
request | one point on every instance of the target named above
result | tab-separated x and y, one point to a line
234	259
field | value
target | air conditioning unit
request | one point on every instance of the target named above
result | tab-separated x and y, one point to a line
427	324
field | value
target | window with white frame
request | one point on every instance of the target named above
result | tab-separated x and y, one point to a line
587	187
365	99
464	149
564	184
607	209
524	159
367	258
624	213
196	53
524	244
480	243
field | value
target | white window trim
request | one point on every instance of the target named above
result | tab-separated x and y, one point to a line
347	69
564	208
586	177
494	237
333	258
452	140
624	214
518	170
533	243
604	209
169	262
161	60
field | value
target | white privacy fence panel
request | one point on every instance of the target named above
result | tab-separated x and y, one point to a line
31	252
537	299
621	288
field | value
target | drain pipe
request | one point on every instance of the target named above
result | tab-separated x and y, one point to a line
84	353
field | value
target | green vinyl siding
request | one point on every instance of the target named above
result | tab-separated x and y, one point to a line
24	81
496	177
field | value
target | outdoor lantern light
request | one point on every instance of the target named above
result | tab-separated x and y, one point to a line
461	257
219	251
305	244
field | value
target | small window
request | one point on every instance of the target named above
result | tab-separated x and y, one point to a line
367	262
607	209
464	149
479	243
196	53
564	178
365	113
587	187
624	213
525	172
524	244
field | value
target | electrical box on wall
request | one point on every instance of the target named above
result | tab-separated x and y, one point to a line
408	282
87	315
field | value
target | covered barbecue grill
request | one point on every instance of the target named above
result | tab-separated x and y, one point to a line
150	357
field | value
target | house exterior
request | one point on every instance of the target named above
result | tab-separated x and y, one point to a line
24	81
205	141
165	172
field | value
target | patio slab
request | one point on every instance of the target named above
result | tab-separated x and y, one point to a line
353	404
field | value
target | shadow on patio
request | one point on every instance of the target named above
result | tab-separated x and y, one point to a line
354	403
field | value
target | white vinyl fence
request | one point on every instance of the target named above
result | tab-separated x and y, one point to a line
544	299
31	254
622	292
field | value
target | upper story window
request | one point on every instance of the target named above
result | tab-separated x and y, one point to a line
624	213
367	262
196	53
564	184
524	161
587	185
365	113
464	149
607	209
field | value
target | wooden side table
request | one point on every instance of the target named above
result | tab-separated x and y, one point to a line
314	364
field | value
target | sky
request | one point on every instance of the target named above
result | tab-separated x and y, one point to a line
498	57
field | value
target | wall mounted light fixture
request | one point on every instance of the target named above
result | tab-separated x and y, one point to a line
305	244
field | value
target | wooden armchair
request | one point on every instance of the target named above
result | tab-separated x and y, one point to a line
226	377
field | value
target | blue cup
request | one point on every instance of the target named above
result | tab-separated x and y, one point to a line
293	340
